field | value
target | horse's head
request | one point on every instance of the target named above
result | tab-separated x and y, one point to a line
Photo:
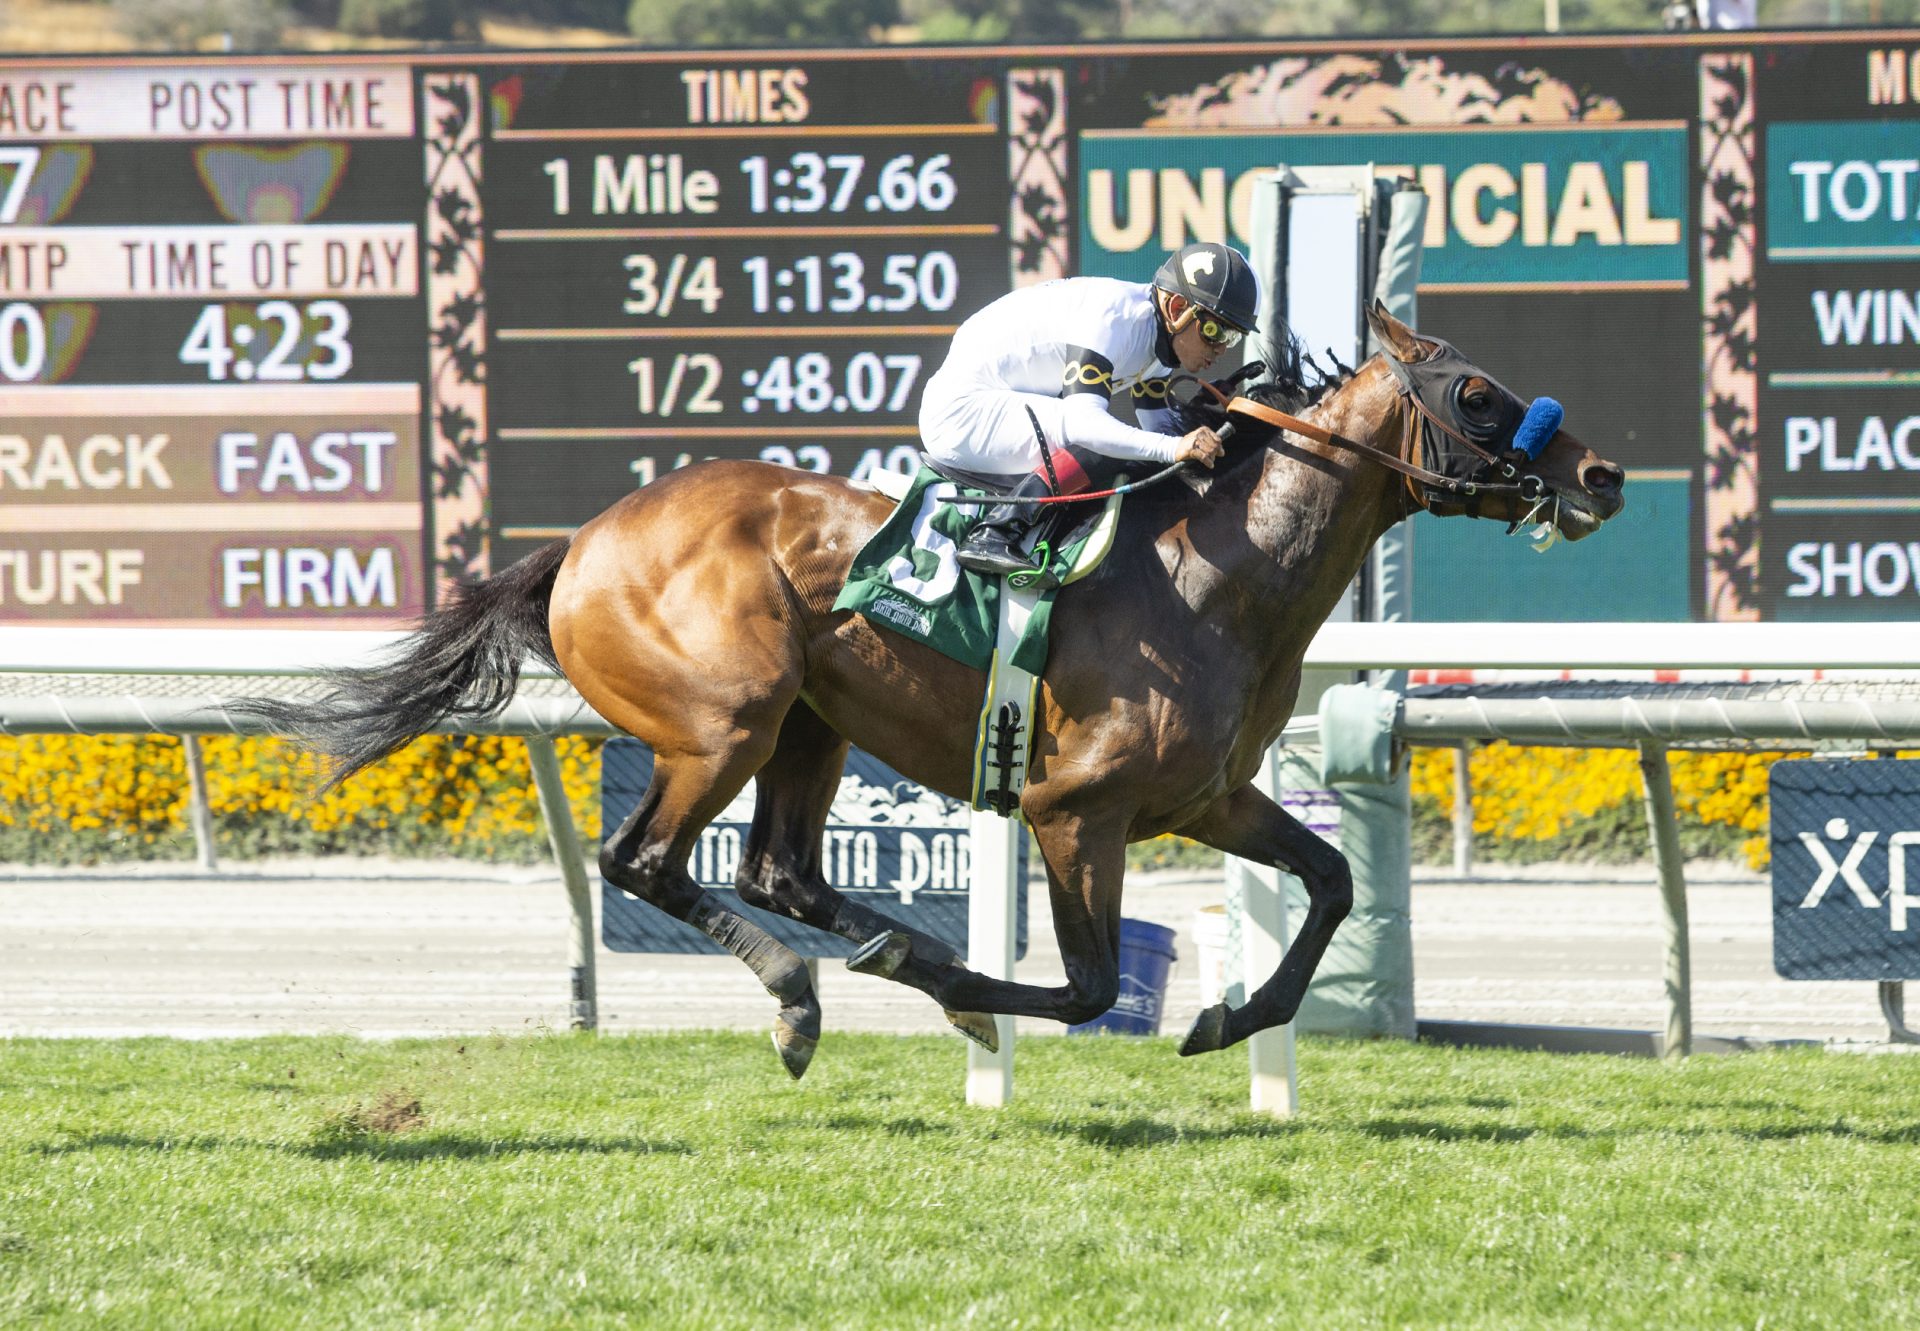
1504	459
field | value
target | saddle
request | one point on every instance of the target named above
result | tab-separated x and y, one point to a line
1065	526
904	579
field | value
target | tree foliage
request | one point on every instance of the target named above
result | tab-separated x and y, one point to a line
685	22
414	20
1028	20
759	22
253	25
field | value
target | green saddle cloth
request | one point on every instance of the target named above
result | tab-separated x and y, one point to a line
906	577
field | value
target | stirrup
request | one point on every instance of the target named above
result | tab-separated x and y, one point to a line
1017	571
1039	574
997	557
1035	579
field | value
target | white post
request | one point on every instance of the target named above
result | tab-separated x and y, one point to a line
1462	811
583	1007
1264	935
199	807
1663	828
990	945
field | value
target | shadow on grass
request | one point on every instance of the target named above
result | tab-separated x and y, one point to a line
126	1141
384	1146
1139	1133
388	1146
893	1127
1395	1129
911	1126
1905	1135
1432	1102
1134	1134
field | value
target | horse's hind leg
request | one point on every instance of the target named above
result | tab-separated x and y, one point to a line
1086	860
648	857
1085	863
780	870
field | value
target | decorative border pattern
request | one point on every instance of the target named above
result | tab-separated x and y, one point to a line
1038	243
1729	337
456	357
1350	90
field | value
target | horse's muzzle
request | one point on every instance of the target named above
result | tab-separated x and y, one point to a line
1602	484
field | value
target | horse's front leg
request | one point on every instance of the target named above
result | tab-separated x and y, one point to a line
1248	824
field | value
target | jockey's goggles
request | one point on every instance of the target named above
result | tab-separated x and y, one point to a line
1217	332
1214	330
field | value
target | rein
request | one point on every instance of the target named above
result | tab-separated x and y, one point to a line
1081	497
1440	488
1527	488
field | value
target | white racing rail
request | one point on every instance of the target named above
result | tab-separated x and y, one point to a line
1878	711
179	681
1549	647
182	682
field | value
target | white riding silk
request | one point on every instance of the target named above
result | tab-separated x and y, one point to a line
1023	351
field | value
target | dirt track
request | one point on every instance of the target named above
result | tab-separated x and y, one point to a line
383	948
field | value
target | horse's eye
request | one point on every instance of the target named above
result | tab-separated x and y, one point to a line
1479	399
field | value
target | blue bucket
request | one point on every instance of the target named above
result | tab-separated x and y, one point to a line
1146	954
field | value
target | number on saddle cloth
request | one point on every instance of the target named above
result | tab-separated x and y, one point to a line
906	578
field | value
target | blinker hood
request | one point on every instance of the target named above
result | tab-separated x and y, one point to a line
1438	384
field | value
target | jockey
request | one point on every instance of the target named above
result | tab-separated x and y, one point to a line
1063	350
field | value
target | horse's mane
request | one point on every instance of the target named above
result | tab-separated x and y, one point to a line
1292	379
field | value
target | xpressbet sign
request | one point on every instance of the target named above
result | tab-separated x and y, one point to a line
1846	870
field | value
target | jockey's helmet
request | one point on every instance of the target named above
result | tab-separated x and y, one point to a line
1217	278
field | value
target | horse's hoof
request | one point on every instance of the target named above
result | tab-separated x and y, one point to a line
1209	1032
882	955
979	1027
796	1034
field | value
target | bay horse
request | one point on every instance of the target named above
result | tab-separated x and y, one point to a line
695	613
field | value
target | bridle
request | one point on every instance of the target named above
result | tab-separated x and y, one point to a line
1498	464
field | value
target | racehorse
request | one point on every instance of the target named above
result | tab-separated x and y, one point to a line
695	613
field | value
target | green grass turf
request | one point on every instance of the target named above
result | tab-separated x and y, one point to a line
683	1181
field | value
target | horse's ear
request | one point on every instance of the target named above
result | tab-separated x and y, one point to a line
1399	340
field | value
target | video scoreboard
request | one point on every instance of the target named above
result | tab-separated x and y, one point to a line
295	342
210	352
764	261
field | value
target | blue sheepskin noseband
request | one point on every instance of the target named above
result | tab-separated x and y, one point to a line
1541	423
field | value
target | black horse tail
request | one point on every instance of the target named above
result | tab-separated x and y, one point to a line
464	660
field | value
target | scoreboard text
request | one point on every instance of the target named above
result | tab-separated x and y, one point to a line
294	342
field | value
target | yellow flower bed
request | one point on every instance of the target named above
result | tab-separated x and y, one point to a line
463	794
1529	794
476	795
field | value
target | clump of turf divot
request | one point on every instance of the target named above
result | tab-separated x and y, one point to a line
394	1112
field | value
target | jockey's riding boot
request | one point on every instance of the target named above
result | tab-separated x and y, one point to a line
993	546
